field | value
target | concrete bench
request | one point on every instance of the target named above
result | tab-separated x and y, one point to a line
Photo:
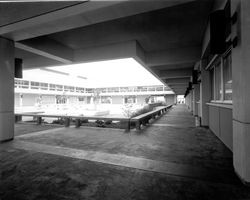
67	118
144	118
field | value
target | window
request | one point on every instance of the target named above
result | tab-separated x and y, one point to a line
130	99
59	87
34	85
44	86
221	79
24	84
79	89
81	99
52	87
160	88
106	99
212	83
89	90
227	77
218	89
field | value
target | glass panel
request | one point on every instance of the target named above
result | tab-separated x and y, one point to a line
34	85
44	86
59	87
106	99
218	89
159	88
212	83
52	87
24	84
130	99
227	76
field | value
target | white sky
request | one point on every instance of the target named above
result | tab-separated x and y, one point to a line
112	73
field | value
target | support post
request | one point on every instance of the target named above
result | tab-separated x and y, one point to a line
241	94
7	118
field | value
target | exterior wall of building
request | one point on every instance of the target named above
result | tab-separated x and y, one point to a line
170	99
117	99
17	99
220	122
48	99
141	99
72	100
30	99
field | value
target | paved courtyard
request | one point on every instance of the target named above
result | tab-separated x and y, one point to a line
168	159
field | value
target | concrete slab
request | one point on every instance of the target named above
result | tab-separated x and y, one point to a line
131	162
159	162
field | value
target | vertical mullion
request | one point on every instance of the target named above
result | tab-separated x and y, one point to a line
222	79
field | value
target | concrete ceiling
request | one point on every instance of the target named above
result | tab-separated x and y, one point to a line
164	36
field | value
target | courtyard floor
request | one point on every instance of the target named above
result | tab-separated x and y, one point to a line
168	159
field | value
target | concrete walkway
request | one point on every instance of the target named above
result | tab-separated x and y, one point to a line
169	159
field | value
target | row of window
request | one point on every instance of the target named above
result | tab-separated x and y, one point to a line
55	87
221	79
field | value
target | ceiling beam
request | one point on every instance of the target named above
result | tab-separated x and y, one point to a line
179	73
180	65
79	15
48	48
39	62
176	56
177	81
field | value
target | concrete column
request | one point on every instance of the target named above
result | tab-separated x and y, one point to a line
241	92
6	89
191	101
21	100
196	97
205	94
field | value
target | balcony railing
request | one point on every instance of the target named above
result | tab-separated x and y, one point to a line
39	86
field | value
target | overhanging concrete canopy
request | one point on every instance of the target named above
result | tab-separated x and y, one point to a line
166	44
177	81
177	73
48	48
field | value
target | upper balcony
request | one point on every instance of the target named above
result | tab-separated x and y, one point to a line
26	86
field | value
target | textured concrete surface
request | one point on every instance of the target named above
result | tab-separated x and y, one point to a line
24	128
75	164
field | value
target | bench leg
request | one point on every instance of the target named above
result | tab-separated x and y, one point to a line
138	125
18	118
78	123
67	122
128	126
39	120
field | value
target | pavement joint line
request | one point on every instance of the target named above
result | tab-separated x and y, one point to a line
167	115
172	125
40	132
169	168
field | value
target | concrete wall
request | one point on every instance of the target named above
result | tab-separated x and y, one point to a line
141	99
48	99
117	100
170	99
17	99
73	100
220	122
29	99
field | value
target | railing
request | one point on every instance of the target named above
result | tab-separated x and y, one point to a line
39	86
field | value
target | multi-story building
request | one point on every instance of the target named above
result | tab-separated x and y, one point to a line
31	93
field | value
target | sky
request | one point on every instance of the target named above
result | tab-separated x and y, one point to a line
112	73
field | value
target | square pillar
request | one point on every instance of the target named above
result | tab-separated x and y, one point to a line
241	92
7	117
205	94
196	97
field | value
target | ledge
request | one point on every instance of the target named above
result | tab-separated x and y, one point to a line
222	105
